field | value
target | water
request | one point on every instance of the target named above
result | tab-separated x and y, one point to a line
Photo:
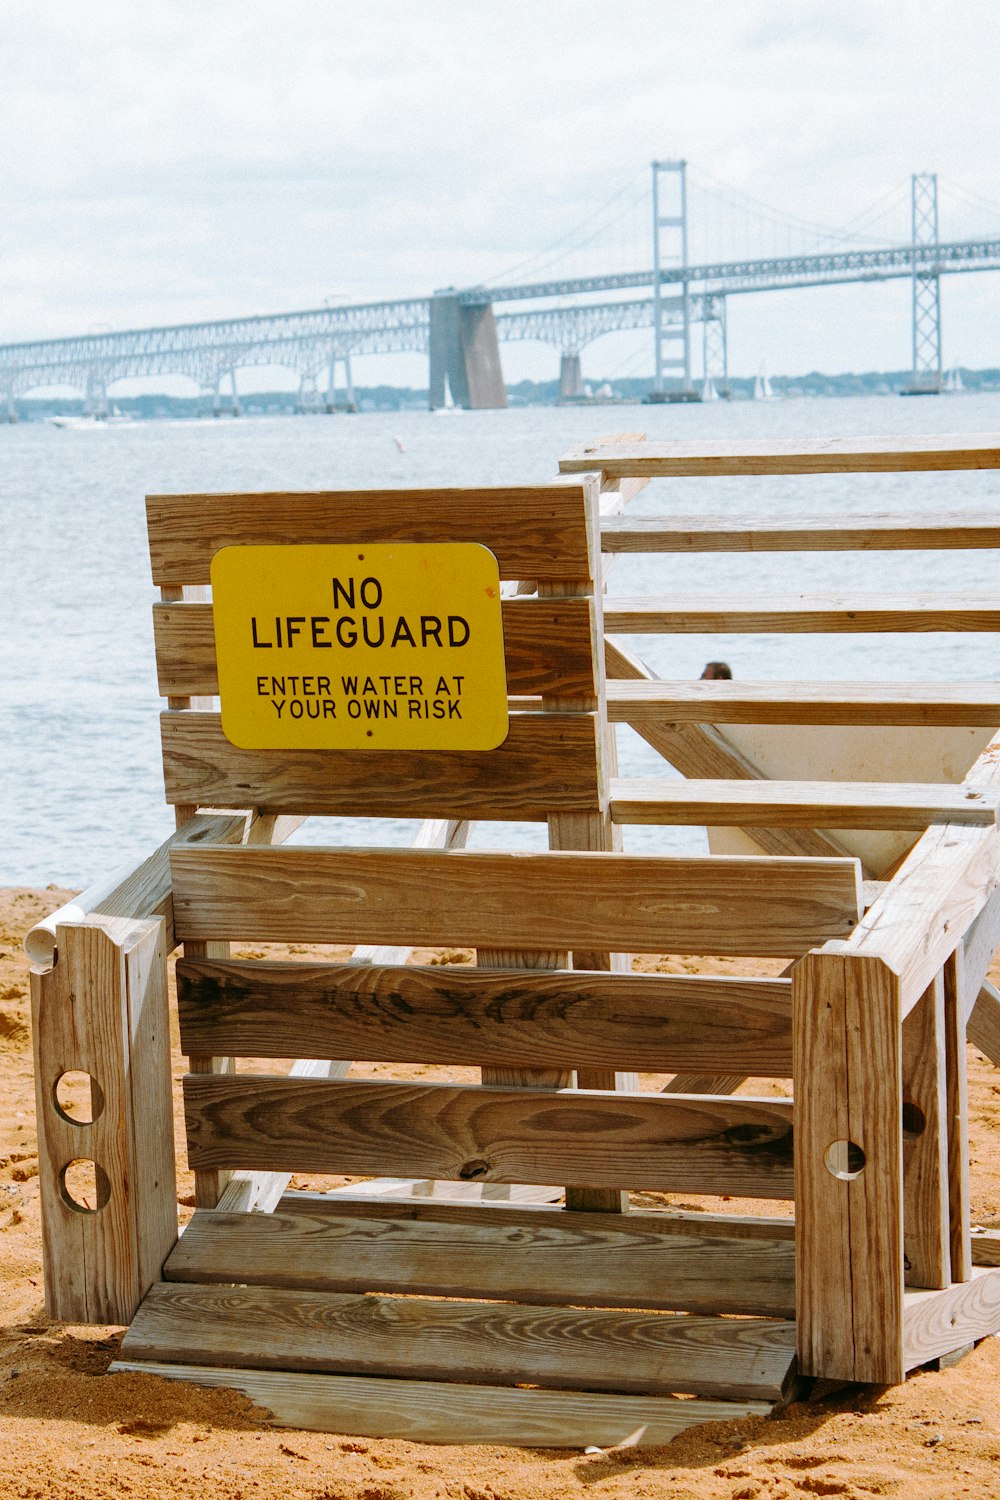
81	787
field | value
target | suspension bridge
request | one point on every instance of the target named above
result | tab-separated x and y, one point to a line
460	330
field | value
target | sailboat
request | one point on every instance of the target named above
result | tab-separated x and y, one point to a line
953	382
762	388
708	390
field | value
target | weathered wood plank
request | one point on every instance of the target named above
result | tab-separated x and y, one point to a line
985	1247
547	647
519	1255
926	1222
936	1322
655	1023
546	761
807	804
541	902
983	1027
957	1119
978	947
102	1253
698	750
366	1127
816	533
781	614
497	1342
536	531
428	1411
708	457
848	1168
976	704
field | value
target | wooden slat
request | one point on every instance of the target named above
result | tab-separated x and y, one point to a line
427	1411
926	1224
520	1255
818	533
641	1353
957	1119
849	1230
547	646
484	1134
970	703
806	804
983	1027
536	531
850	455
936	1322
639	903
698	750
986	1247
696	614
452	1014
546	761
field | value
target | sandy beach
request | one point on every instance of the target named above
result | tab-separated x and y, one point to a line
68	1431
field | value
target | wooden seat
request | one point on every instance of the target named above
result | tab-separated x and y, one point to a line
490	1280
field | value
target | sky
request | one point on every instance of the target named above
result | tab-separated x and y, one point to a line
196	159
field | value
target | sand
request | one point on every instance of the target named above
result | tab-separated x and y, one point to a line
68	1431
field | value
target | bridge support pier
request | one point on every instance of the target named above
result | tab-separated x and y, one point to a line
234	399
464	354
9	408
570	377
350	400
96	400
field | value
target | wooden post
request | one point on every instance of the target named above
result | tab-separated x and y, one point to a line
102	1010
848	1168
958	1118
926	1223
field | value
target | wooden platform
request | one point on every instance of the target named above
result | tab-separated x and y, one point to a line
259	1300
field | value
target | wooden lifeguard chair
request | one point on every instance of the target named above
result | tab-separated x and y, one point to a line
527	1303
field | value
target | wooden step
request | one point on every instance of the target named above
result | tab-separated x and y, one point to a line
976	704
542	1256
800	804
695	614
429	1411
494	1343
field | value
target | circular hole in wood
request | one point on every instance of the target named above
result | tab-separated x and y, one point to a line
84	1186
914	1119
78	1098
844	1159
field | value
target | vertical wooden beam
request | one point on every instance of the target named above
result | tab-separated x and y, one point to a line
926	1215
102	1010
958	1117
848	1168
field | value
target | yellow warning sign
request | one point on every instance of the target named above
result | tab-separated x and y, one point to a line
370	647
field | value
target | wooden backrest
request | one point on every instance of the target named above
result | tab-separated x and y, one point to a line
550	760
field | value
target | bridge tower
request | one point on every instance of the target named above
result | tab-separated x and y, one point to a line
671	340
714	348
926	377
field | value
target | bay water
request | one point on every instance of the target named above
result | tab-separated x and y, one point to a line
80	780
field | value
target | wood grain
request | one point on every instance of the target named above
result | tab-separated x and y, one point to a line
783	614
935	1323
957	1119
366	1127
536	531
828	455
983	1026
427	1411
540	902
968	530
926	1224
849	1232
547	647
807	804
454	1014
546	762
99	1258
976	704
520	1255
589	1349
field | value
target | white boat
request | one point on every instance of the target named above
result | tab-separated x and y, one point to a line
762	388
78	424
953	382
